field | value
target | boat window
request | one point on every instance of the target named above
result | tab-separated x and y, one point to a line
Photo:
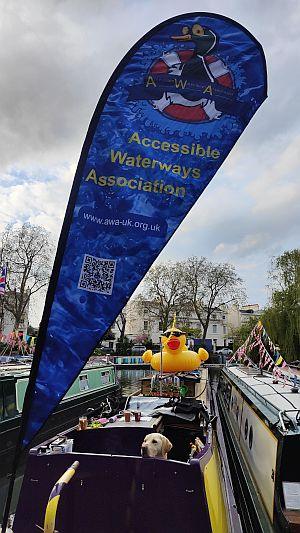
227	394
104	378
9	399
1	402
83	382
290	464
237	412
246	428
250	437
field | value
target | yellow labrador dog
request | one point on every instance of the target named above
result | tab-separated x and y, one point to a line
156	445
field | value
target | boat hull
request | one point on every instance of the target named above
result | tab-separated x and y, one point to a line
65	416
149	489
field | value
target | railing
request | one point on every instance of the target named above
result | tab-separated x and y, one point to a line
51	510
278	413
294	423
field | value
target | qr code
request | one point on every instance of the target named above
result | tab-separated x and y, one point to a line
97	274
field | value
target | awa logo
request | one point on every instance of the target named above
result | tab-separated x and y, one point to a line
189	85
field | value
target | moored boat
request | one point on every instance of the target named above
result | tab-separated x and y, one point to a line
94	384
261	414
116	489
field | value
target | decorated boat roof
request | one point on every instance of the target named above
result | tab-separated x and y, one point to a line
276	401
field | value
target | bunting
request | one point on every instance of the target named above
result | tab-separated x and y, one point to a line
259	343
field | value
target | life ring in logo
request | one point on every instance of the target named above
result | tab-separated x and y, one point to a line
184	106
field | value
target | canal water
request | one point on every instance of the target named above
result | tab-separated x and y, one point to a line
130	382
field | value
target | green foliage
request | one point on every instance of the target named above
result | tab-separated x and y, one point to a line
239	335
195	333
124	348
282	318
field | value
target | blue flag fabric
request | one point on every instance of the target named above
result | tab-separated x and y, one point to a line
169	116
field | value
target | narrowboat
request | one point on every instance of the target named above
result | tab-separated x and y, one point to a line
117	489
260	413
130	362
94	384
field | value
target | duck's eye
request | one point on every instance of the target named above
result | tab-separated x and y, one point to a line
197	29
185	30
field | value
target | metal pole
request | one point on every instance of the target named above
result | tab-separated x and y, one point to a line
161	369
10	491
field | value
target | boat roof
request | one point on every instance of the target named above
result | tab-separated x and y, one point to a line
23	370
275	401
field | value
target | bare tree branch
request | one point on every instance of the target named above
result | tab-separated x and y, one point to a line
28	252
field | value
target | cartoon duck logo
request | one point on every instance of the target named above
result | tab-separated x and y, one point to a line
196	73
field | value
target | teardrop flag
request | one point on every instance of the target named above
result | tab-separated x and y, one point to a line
167	119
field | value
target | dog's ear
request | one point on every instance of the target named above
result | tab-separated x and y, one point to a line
166	445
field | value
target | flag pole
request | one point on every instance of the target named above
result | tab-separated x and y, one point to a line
11	487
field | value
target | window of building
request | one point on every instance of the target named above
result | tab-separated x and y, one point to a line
224	317
146	323
160	326
83	382
214	316
146	311
214	328
224	330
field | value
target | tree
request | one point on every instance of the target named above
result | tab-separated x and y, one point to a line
285	271
28	252
209	287
163	292
108	336
195	333
121	325
240	334
282	318
124	348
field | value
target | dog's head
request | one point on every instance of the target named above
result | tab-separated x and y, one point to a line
156	445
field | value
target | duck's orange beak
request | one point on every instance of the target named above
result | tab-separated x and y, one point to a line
182	37
173	343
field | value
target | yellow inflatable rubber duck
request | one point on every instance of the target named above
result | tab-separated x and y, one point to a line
176	357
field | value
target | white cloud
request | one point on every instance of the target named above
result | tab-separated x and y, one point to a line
37	201
57	57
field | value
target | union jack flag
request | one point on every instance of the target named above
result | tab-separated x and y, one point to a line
3	280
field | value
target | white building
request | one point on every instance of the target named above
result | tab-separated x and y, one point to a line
237	316
140	322
8	320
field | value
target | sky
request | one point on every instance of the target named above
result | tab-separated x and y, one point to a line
55	60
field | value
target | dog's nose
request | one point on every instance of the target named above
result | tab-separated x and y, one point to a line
144	450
